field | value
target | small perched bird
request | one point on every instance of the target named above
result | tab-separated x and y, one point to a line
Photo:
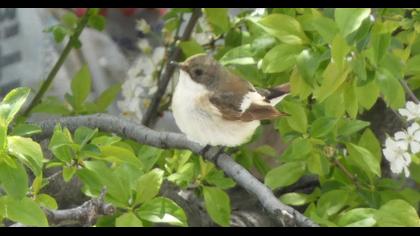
213	106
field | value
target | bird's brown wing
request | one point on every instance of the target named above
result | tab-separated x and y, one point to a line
229	105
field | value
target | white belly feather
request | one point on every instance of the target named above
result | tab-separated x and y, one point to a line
202	123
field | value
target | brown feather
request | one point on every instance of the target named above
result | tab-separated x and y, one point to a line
260	112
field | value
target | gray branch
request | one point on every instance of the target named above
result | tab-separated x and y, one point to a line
85	214
120	126
166	77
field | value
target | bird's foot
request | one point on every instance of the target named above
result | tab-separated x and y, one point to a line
220	151
204	150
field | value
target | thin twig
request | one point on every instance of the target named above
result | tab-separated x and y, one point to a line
70	44
151	112
53	176
85	214
409	91
125	128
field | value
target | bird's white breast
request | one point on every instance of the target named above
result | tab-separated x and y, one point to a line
201	121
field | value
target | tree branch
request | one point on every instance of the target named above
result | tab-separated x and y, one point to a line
409	91
151	112
85	214
47	82
287	215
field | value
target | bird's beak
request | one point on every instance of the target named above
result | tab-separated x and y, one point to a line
178	64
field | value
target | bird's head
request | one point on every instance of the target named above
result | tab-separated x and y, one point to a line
202	68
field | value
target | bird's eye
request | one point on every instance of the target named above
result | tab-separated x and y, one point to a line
198	72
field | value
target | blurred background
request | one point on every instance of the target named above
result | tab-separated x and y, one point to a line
132	37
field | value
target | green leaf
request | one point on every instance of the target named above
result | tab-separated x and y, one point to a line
117	191
367	94
105	140
347	127
217	178
82	135
358	217
297	150
397	213
107	97
242	55
333	77
24	211
97	22
331	202
325	27
369	141
47	201
52	105
190	48
391	88
120	155
262	44
218	19
380	43
37	184
162	210
363	158
323	126
334	105
415	172
297	119
217	204
412	66
92	185
149	156
28	151
12	103
23	129
296	199
59	33
3	137
307	63
286	28
339	50
128	219
69	19
64	153
81	86
13	180
280	58
318	164
183	176
148	185
68	173
350	99
350	19
358	65
285	175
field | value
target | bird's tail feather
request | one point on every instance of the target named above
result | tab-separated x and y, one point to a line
277	94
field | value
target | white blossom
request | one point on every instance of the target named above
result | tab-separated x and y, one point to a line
411	137
203	37
158	55
411	111
139	86
258	12
143	26
396	153
144	45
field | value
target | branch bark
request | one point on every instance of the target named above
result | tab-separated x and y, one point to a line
85	214
120	126
151	112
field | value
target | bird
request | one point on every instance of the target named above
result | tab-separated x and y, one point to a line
213	106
